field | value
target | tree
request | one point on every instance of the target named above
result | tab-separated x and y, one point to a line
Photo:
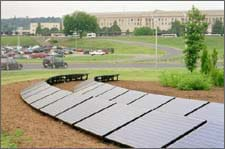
79	22
218	27
38	29
206	62
143	31
194	37
177	28
54	30
45	32
115	29
214	58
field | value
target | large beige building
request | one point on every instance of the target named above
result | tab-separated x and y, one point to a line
50	25
159	18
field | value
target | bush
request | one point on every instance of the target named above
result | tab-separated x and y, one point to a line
53	41
217	77
169	79
186	81
194	82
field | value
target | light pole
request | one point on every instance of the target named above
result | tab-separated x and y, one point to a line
156	41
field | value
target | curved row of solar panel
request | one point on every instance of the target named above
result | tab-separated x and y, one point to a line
133	118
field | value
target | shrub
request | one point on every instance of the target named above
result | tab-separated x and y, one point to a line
194	82
217	77
206	62
53	41
169	79
186	81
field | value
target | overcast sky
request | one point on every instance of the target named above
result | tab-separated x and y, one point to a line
60	8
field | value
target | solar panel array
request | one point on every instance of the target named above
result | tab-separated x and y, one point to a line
132	118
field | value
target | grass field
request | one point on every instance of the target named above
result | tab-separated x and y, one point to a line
125	74
83	59
211	42
12	41
101	43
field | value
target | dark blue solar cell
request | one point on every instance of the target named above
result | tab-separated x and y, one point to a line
50	99
154	130
212	112
210	135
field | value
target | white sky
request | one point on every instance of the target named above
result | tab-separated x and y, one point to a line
60	8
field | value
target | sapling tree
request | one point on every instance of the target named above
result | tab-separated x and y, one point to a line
195	29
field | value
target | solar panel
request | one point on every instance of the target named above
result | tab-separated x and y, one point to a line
89	88
84	110
64	104
110	119
35	91
117	91
151	101
84	84
100	90
212	112
129	96
181	106
34	86
41	94
210	135
154	130
50	99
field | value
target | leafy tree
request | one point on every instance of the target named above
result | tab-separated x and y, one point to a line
214	57
79	22
206	62
194	37
115	29
38	29
69	26
54	30
177	28
45	32
218	27
143	31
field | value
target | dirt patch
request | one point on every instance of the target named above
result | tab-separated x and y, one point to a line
44	131
214	95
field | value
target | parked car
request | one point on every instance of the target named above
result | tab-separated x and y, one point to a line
54	62
8	63
98	52
38	55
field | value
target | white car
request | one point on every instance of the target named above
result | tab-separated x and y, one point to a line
98	52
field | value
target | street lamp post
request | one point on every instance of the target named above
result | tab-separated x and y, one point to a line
156	41
156	47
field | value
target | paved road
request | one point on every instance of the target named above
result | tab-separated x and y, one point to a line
105	65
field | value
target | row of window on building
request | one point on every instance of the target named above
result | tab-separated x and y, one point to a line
150	21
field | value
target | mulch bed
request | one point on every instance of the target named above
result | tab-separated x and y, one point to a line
44	131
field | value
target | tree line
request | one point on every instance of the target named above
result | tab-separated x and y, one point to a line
11	24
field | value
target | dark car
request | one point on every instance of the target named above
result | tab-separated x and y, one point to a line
54	62
8	63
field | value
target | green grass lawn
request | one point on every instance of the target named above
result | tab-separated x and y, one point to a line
101	43
11	140
12	41
211	42
125	74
